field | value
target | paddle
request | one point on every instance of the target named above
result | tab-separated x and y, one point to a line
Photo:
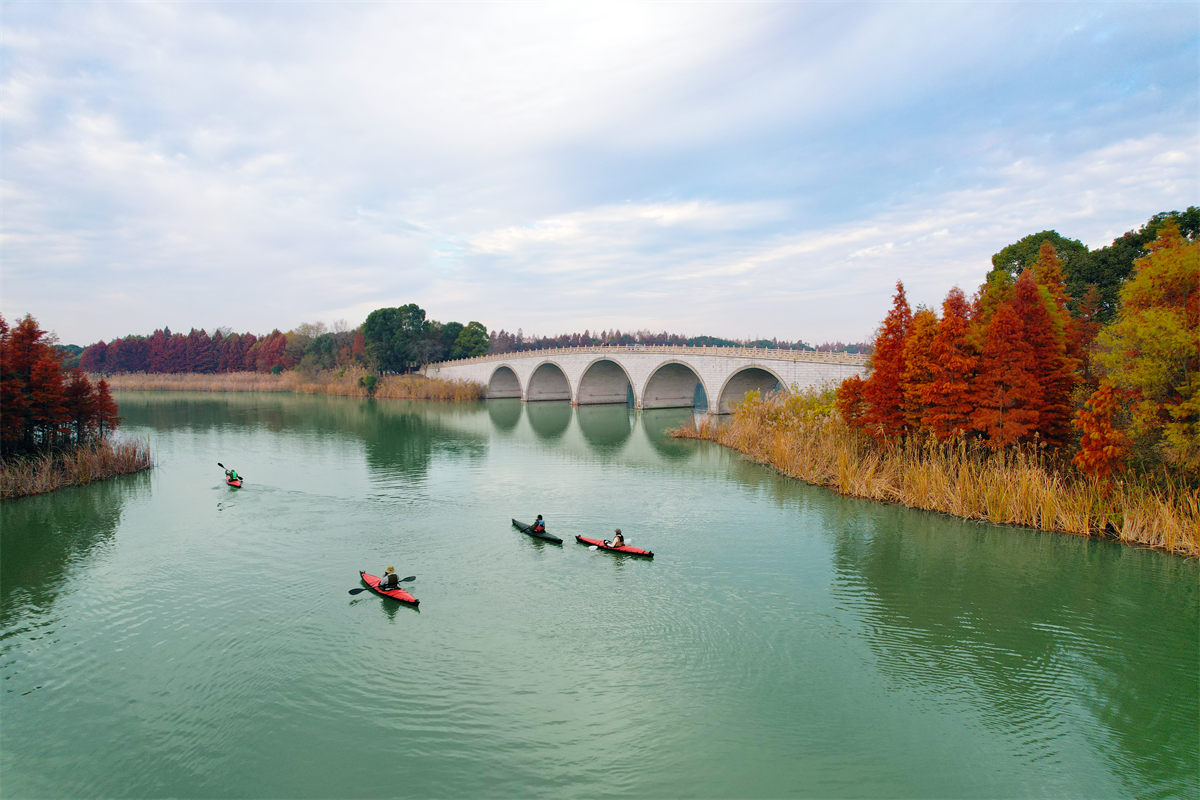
597	547
222	466
402	580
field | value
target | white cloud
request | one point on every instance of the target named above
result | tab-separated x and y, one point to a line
263	165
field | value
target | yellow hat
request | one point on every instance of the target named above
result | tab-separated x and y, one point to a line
390	569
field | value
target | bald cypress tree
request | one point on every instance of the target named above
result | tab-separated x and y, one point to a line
1007	394
882	393
953	360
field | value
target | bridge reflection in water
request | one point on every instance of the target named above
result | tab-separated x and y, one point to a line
608	431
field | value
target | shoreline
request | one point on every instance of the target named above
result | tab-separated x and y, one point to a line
1004	489
26	477
340	383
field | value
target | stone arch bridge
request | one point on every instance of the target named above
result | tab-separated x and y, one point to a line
654	376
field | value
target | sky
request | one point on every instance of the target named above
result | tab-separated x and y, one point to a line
745	170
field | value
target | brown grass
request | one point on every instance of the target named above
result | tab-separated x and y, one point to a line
342	382
40	474
1022	487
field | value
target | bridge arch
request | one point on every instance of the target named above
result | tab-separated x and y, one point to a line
503	382
603	381
672	384
548	381
747	379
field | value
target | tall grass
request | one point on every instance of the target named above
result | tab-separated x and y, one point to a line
1014	487
341	382
40	474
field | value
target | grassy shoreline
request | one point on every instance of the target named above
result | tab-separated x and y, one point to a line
22	477
1013	487
340	383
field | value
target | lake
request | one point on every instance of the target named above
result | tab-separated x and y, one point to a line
163	635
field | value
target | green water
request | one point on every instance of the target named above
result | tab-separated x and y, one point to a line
162	635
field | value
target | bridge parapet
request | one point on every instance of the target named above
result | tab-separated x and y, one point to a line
755	353
653	376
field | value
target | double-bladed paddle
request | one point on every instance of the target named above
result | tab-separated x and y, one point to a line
402	580
222	466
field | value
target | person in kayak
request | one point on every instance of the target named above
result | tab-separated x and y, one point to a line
540	525
231	474
390	579
618	539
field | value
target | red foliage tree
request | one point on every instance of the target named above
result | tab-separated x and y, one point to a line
884	413
952	360
92	357
80	405
1055	370
201	356
107	418
1007	392
1102	448
38	409
270	351
918	368
47	401
158	355
850	403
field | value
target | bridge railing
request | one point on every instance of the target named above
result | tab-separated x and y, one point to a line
761	353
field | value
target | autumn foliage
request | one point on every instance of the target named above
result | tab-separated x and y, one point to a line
1003	369
44	408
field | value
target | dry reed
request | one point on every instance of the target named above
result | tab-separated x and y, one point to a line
341	382
1022	487
40	474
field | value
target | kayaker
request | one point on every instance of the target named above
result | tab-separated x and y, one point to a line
389	580
231	474
618	539
540	525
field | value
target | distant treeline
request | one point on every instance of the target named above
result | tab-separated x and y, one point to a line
392	340
505	342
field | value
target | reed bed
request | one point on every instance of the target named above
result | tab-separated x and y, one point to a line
341	382
1013	487
24	476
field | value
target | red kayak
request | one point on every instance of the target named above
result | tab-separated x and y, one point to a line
237	484
633	551
372	582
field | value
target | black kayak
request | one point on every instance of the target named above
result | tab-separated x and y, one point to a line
523	528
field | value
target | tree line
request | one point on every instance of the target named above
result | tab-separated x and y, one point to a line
505	342
391	340
1027	360
46	407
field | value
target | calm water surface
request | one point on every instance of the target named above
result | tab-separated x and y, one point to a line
162	635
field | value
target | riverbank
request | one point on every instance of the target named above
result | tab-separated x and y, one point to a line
20	477
341	383
1008	487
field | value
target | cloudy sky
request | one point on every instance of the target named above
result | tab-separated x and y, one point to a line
737	169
